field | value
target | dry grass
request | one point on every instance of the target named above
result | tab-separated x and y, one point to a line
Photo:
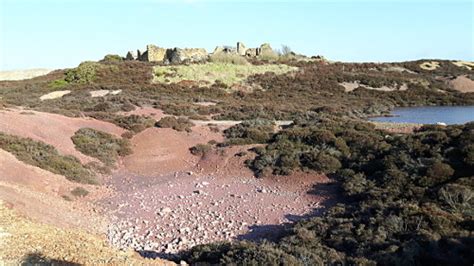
429	65
228	59
24	242
466	64
228	74
54	95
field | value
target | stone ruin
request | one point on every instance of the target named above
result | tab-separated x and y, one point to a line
241	49
176	55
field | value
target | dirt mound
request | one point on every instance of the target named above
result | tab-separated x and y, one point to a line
23	241
37	194
159	151
462	84
52	129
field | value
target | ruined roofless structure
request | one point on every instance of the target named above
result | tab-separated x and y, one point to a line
154	53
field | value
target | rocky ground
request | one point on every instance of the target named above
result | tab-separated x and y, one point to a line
168	200
161	216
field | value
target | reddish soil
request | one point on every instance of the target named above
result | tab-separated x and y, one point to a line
159	151
52	129
36	193
149	111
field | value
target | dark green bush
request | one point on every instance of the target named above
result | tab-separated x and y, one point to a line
201	149
84	73
112	58
179	124
251	131
134	123
79	192
46	157
101	145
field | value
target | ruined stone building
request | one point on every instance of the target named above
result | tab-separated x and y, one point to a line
242	50
154	53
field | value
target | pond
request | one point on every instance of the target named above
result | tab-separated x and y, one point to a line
430	115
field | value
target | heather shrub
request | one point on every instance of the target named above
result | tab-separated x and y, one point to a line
178	124
405	197
84	73
101	145
201	149
46	157
251	131
134	123
79	192
112	58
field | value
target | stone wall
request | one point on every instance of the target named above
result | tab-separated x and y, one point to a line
154	53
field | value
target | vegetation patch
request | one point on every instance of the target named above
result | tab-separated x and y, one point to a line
201	149
225	58
134	123
250	132
84	73
315	86
429	65
112	58
46	157
79	192
178	124
407	198
227	73
101	145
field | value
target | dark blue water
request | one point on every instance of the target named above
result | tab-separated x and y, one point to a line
430	115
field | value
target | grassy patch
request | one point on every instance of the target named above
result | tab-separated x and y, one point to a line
101	145
224	58
46	157
58	84
228	74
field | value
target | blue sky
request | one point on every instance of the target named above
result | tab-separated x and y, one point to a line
56	34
